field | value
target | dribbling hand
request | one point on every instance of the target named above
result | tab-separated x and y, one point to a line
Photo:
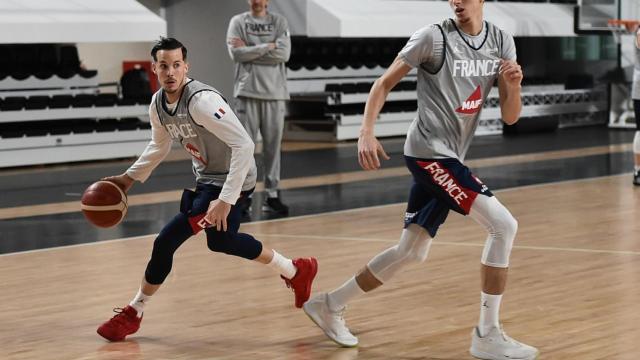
123	181
369	152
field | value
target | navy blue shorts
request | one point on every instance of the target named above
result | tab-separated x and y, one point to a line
190	221
440	185
195	204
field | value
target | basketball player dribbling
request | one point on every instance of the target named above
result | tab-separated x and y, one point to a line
197	116
458	61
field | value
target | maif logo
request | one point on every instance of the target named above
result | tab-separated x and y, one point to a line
195	153
473	104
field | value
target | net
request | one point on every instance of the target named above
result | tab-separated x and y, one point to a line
619	27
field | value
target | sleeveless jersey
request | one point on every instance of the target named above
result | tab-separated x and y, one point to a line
451	95
211	157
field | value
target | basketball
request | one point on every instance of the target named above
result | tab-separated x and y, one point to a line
104	204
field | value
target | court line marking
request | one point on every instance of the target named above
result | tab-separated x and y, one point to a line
533	186
320	180
451	243
293	218
63	247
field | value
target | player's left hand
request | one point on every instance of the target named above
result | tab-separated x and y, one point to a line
511	72
217	214
236	42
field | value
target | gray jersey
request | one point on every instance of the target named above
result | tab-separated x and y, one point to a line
456	72
260	73
211	157
635	89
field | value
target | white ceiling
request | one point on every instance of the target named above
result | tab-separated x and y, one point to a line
62	21
401	18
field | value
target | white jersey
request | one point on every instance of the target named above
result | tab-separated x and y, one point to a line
456	72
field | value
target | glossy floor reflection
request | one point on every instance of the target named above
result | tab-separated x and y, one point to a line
55	184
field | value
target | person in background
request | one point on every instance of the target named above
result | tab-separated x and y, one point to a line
259	44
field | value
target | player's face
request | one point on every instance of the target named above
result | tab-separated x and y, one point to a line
465	10
171	69
258	6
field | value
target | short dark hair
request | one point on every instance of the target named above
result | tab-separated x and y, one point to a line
168	44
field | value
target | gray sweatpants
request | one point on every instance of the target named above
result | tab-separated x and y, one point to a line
266	116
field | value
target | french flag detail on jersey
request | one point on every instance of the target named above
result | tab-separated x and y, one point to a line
219	114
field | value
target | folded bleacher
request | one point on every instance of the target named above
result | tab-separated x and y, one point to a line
330	78
52	109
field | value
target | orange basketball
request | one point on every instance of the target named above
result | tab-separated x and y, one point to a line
104	204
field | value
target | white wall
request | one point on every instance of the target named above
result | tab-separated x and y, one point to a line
107	58
153	5
201	25
296	13
629	10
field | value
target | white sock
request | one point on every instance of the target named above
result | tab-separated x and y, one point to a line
489	312
339	297
282	265
139	302
636	168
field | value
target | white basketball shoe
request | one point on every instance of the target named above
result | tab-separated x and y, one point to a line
331	322
496	345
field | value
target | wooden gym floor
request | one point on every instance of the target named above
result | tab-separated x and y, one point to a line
574	289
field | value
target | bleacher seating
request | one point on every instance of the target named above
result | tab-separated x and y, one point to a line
42	61
329	80
325	53
50	104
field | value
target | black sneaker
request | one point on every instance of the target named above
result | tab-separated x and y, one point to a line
636	178
274	205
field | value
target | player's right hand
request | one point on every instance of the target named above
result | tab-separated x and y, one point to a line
123	181
369	152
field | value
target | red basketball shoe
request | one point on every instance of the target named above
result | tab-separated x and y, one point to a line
301	282
125	322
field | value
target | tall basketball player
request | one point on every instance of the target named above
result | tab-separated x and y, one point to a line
635	95
197	116
458	61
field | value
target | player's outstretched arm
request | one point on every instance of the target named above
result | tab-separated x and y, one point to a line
509	86
369	148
